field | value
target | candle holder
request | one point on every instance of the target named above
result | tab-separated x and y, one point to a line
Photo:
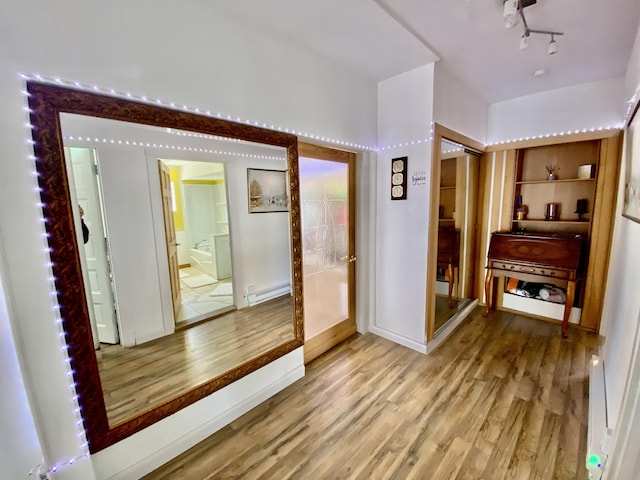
552	211
581	208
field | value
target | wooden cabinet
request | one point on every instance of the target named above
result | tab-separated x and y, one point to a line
514	176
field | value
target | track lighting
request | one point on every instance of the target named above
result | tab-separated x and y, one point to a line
513	10
552	49
511	13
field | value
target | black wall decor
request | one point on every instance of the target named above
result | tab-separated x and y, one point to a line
399	176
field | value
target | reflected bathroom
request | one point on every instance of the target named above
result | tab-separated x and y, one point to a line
201	222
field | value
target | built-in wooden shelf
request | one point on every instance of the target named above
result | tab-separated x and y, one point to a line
553	222
565	180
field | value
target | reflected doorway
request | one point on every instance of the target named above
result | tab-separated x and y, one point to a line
327	205
196	224
91	234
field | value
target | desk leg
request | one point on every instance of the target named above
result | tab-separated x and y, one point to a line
450	272
571	292
487	291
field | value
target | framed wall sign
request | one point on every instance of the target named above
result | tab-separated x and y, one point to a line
399	178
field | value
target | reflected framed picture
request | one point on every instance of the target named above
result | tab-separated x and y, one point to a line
267	190
631	207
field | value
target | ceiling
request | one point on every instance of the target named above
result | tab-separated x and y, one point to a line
382	38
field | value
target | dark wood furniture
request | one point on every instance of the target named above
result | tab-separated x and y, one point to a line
449	255
544	258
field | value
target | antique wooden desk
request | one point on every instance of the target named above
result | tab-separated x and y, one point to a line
544	258
449	255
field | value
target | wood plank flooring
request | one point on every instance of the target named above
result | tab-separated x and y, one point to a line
137	378
502	397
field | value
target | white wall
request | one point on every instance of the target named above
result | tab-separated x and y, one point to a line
457	107
585	106
405	112
621	311
186	54
20	449
260	241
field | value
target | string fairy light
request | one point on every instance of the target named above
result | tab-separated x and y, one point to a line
44	470
172	105
555	134
138	143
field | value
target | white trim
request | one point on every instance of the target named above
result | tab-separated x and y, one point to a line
597	424
365	239
400	339
372	159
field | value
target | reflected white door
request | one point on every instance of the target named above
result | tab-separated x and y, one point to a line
87	196
327	214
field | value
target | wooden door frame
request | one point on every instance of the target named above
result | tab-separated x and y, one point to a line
336	334
439	133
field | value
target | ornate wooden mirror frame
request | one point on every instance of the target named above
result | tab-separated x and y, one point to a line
46	103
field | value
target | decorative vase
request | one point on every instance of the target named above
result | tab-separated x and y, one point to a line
552	176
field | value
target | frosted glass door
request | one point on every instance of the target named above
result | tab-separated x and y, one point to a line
324	195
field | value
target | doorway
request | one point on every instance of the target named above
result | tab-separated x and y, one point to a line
327	205
91	233
196	222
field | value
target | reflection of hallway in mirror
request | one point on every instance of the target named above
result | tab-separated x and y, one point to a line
444	313
169	366
207	297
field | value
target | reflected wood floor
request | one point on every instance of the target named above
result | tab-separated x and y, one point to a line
502	397
136	378
443	312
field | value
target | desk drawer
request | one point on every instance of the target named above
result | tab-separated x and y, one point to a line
530	269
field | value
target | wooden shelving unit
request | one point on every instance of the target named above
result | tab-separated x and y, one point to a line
518	169
535	191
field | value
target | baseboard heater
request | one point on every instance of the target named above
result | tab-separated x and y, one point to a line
255	297
599	436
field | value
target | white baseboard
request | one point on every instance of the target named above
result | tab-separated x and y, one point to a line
598	434
399	339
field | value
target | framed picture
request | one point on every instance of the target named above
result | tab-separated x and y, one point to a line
631	207
267	190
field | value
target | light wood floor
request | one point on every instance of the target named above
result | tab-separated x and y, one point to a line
136	378
503	397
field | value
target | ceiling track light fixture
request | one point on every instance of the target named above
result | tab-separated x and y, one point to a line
514	11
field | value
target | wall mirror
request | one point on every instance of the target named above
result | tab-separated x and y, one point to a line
169	288
453	230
